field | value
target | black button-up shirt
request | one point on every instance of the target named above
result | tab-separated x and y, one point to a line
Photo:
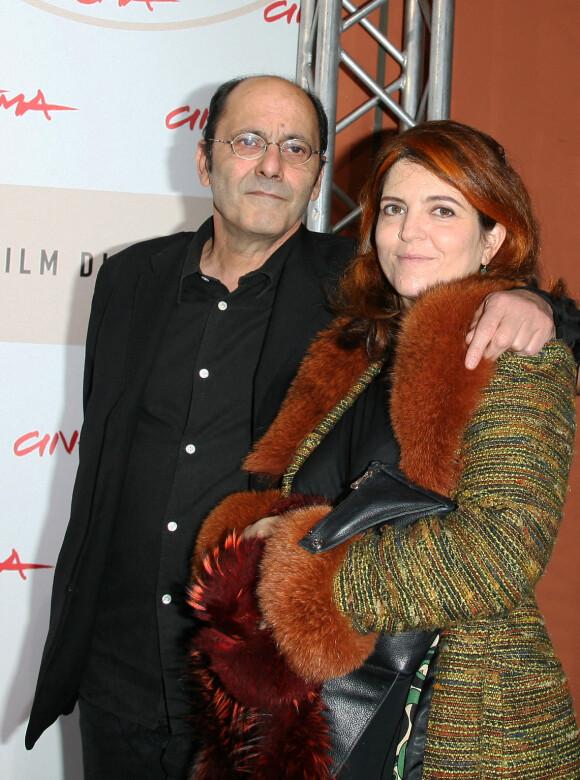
194	429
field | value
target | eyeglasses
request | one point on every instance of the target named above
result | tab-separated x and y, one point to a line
250	146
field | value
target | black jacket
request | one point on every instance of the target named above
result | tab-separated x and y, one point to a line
134	293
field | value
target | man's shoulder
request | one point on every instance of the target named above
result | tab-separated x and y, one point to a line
132	260
329	250
144	250
328	242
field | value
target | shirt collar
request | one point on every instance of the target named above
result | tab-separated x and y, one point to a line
272	268
193	256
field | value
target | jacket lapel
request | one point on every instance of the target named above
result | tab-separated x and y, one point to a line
155	294
298	313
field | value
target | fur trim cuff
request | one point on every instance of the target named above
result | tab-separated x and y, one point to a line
234	513
296	597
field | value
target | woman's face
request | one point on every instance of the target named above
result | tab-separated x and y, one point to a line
427	232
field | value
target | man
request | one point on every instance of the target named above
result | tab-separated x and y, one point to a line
192	343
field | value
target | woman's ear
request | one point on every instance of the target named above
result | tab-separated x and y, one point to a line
494	238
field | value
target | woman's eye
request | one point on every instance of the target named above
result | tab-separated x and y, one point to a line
392	210
443	211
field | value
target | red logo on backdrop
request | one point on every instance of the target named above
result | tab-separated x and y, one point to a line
123	3
275	12
34	442
185	116
37	103
13	563
134	14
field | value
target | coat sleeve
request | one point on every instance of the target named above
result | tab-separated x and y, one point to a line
487	556
101	295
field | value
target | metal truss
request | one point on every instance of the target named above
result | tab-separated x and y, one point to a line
420	90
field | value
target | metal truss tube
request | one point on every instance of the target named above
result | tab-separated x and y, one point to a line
306	39
358	18
426	9
348	220
326	81
361	12
343	196
374	87
414	41
367	106
422	90
420	115
442	19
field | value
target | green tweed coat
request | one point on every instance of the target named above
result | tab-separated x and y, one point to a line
499	440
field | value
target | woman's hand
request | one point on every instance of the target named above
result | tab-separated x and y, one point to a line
262	528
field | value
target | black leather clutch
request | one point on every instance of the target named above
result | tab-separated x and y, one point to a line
382	496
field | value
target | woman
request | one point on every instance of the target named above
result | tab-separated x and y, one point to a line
445	221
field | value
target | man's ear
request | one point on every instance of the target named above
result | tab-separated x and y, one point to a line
317	184
494	238
201	160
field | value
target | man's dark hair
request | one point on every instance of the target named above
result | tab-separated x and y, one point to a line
217	107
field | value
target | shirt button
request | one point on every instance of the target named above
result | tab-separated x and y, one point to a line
166	598
172	526
222	306
204	373
190	449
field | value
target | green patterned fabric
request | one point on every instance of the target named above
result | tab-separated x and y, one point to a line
501	706
411	705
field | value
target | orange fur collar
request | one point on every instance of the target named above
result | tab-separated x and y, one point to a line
433	394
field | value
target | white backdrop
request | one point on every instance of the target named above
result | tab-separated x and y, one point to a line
101	107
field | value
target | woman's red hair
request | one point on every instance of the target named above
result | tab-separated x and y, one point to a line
473	163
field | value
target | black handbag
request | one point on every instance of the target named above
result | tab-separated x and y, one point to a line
382	496
364	709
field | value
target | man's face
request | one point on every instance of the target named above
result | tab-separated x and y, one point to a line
264	198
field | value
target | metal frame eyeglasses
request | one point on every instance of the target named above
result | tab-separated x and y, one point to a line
250	146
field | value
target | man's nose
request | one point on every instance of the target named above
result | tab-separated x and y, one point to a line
270	163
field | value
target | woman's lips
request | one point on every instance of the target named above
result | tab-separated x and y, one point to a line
414	258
